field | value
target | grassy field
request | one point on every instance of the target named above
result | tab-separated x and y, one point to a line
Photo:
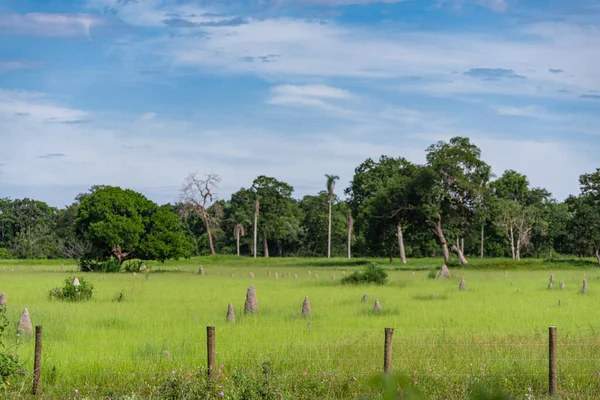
446	342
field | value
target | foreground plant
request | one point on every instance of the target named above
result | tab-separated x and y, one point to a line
77	289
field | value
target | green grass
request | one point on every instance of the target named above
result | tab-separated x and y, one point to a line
444	345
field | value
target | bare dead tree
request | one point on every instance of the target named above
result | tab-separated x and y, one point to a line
239	230
198	195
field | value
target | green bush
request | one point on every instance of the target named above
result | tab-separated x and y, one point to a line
133	265
110	265
371	274
70	292
9	364
4	254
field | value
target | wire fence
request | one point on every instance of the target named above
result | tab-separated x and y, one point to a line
524	357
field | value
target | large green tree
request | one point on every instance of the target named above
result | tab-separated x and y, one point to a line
125	224
585	224
449	186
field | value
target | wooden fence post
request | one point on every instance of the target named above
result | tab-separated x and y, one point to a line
387	350
552	370
211	351
37	363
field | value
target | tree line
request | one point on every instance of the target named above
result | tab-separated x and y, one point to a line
451	205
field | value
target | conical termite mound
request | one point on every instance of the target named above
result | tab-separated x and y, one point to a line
444	272
462	285
365	298
230	314
306	307
25	326
251	305
377	306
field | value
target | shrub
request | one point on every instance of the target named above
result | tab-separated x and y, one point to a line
432	274
110	265
371	274
9	365
70	292
4	254
133	265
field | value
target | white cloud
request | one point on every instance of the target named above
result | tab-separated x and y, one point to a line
527	111
14	64
495	5
321	96
286	48
40	24
136	153
35	106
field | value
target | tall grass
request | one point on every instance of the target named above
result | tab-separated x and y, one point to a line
446	341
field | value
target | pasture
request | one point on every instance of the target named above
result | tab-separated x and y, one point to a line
144	336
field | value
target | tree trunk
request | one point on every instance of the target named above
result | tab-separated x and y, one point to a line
391	257
210	240
551	253
349	243
511	238
598	254
266	244
518	249
401	244
459	253
329	232
482	237
237	239
255	233
436	228
462	245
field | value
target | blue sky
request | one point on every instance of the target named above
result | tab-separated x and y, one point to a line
139	93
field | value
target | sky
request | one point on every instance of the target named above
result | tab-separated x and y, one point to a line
141	93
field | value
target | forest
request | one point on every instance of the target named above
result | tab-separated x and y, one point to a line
453	205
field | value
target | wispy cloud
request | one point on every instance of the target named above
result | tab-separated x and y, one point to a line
41	24
308	95
52	155
527	111
493	74
590	96
9	65
555	71
36	106
495	5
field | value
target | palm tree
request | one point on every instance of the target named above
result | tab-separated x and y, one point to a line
350	228
256	211
330	186
239	230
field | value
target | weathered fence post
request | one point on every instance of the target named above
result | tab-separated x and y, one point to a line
37	363
552	370
212	355
387	351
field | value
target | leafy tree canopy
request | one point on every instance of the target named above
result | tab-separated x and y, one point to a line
124	223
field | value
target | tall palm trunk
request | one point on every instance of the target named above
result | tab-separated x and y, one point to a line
266	244
482	238
350	226
329	233
401	244
256	211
